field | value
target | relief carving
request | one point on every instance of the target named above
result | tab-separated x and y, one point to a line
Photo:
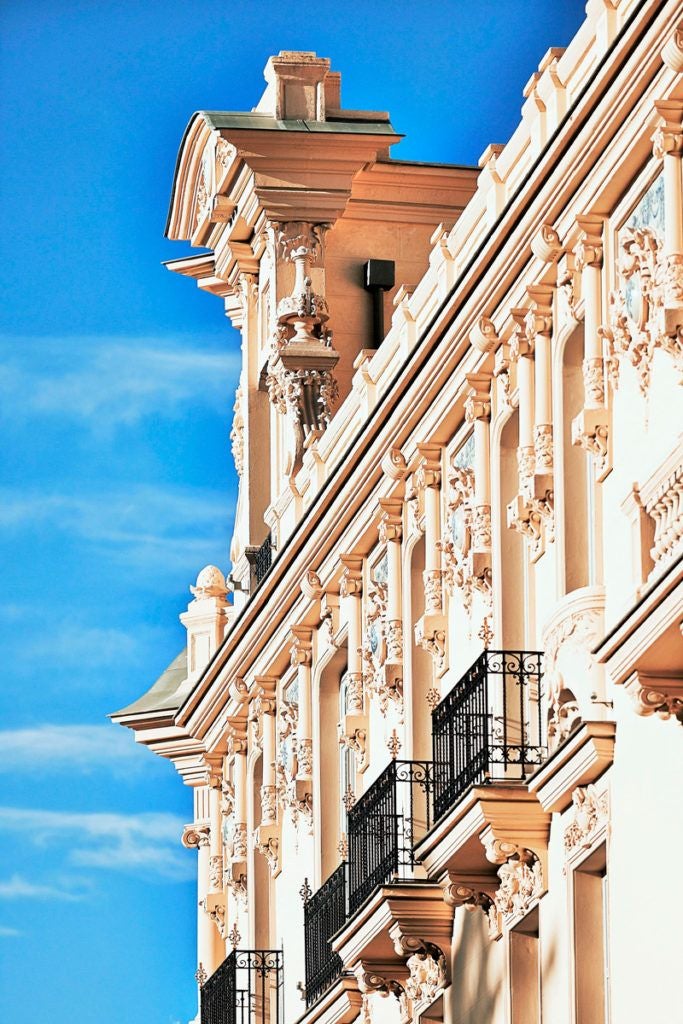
590	812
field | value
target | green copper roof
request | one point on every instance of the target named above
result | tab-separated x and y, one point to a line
163	695
267	123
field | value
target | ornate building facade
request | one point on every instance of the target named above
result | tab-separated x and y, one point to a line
432	718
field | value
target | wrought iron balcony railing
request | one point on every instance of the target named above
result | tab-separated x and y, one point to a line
489	726
245	989
324	914
263	559
384	825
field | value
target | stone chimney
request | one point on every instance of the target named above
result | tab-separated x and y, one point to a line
300	87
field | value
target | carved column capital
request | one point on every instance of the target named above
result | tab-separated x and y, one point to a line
300	239
262	694
369	981
478	401
390	519
521	343
351	584
428	471
588	251
301	650
668	137
236	736
539	316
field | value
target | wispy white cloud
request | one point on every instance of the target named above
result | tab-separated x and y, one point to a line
164	527
7	933
18	888
108	382
146	843
46	749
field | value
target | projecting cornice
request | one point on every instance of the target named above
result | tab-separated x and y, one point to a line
233	167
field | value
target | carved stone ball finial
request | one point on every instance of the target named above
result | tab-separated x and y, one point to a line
210	583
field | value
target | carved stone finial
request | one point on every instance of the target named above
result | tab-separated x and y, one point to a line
210	583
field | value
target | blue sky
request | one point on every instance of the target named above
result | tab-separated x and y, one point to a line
116	389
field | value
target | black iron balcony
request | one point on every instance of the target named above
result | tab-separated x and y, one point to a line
384	825
245	989
324	914
263	559
489	727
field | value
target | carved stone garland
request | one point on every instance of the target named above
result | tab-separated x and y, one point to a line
382	653
476	530
300	807
237	432
647	280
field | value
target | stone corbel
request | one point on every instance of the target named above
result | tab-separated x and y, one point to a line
195	836
522	873
353	734
589	820
473	892
428	973
656	694
483	335
672	53
267	843
394	465
526	516
235	876
214	905
311	586
329	620
370	982
501	374
546	244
